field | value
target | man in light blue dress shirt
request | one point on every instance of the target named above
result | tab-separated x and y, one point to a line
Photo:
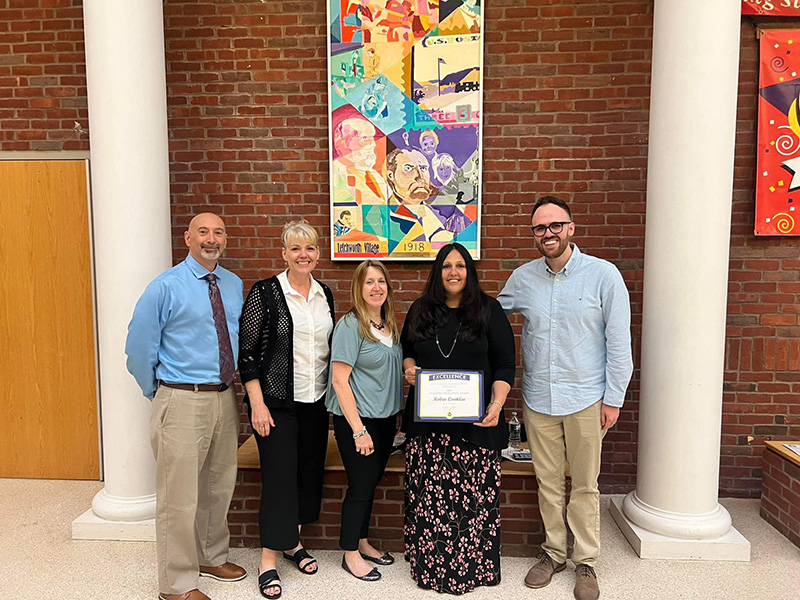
181	348
576	346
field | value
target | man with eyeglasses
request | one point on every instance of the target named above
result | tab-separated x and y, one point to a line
576	346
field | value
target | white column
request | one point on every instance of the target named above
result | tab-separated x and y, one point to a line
674	512
126	81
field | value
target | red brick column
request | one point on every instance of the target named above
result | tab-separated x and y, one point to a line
780	495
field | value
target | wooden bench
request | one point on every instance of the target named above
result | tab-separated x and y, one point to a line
780	491
248	459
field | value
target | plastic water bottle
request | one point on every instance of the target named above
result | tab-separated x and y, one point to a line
514	432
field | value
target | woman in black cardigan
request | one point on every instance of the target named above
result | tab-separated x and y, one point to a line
452	512
284	348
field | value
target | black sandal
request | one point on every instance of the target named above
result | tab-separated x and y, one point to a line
301	555
266	580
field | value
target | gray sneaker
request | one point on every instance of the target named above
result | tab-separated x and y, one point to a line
586	587
542	572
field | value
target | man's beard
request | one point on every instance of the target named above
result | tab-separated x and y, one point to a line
554	251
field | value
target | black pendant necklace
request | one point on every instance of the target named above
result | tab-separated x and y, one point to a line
379	326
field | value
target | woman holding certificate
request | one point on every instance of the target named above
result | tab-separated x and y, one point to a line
365	395
452	515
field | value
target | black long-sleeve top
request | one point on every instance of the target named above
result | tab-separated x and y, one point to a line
266	350
493	353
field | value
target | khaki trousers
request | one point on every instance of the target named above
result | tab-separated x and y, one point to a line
194	438
554	441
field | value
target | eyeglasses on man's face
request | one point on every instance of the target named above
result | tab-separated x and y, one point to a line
555	228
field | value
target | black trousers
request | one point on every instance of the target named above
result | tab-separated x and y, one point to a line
292	467
364	473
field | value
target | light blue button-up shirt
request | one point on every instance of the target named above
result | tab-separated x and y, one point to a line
576	336
171	335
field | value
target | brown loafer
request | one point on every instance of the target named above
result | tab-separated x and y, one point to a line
542	572
190	595
225	572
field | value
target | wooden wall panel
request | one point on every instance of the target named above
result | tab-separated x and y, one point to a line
48	427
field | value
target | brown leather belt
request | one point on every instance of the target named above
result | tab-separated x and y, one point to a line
197	387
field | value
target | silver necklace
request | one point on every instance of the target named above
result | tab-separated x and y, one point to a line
455	339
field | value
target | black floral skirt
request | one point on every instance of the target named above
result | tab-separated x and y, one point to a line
452	510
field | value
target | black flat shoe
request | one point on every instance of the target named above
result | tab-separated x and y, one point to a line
373	575
386	559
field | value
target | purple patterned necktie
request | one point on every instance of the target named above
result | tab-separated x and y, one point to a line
227	370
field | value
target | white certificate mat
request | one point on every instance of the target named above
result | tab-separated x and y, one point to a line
793	447
449	396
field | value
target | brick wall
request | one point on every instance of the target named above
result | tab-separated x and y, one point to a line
762	377
780	496
566	96
42	76
522	530
387	513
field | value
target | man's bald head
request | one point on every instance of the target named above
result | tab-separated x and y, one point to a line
207	219
206	238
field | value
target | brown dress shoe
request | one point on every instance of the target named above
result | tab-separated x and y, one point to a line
542	572
226	572
586	587
190	595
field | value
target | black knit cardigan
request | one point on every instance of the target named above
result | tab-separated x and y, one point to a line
265	341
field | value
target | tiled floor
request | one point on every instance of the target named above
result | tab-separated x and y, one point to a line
39	560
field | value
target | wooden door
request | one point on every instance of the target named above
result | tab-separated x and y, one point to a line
48	424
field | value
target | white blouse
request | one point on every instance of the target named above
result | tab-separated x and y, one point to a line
312	329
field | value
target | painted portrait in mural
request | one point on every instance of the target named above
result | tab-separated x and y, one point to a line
405	126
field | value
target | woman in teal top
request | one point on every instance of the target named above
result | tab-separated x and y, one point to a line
365	395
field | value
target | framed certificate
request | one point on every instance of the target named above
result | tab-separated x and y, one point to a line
448	396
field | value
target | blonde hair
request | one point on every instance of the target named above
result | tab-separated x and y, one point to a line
299	230
428	133
359	309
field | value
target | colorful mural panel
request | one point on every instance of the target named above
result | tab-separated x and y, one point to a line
771	8
778	172
405	127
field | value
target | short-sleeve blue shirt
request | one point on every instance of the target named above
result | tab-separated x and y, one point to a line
377	375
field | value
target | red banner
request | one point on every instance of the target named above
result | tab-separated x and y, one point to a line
778	174
772	8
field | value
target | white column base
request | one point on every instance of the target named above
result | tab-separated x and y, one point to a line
704	526
112	518
114	508
732	546
91	527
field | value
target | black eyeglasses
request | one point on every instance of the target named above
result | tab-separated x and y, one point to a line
555	227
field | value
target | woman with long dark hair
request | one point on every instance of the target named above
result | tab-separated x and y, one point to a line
452	513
